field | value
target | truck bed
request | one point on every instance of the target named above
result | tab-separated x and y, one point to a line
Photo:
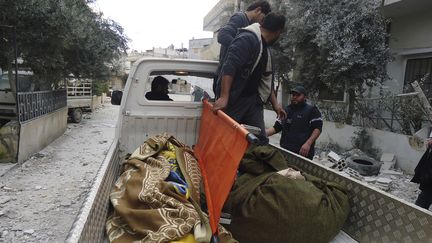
79	101
375	216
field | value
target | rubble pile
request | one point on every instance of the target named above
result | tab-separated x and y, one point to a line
389	179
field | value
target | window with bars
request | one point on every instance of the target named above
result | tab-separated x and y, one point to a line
416	70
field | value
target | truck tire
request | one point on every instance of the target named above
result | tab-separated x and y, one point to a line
76	115
364	165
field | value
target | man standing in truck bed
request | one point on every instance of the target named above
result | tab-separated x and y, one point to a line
241	75
254	14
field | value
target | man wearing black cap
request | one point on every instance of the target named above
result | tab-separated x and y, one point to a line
302	126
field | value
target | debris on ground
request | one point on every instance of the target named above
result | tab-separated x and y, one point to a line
388	161
40	198
389	178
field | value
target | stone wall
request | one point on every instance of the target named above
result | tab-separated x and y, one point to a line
9	134
97	101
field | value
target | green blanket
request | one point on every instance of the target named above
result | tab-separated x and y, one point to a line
268	207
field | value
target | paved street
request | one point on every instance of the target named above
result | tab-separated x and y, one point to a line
40	198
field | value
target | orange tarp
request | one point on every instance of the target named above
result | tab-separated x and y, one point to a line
221	145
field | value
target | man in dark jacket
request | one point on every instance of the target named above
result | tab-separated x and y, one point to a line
159	89
254	14
302	126
241	75
423	176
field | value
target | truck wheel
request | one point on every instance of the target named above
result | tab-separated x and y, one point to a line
76	115
364	165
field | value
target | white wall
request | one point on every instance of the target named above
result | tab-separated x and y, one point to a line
408	34
396	71
38	133
407	149
412	31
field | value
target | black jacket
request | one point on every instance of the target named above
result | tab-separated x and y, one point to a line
227	33
157	96
297	128
423	171
243	54
225	36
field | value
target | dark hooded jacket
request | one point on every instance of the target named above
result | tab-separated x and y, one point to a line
423	171
243	56
227	33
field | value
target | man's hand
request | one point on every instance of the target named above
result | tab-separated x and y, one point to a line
304	150
429	143
220	104
281	114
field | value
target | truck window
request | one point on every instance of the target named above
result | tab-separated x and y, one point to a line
174	88
25	79
4	82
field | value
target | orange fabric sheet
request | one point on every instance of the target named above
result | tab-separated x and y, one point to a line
221	145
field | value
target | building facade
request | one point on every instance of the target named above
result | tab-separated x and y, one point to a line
196	47
410	42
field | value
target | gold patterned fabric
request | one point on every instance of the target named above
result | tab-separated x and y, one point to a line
147	207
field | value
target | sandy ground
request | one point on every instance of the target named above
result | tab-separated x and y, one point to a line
40	198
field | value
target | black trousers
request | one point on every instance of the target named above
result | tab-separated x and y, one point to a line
249	111
424	199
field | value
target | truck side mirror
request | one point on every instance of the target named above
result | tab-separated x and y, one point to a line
116	97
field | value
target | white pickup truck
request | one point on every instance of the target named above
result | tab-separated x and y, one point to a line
375	216
79	98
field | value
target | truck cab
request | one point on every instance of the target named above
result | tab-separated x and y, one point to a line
7	95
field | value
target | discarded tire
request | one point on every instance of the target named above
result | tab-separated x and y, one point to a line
364	165
76	115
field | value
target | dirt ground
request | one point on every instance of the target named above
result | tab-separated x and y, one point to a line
40	198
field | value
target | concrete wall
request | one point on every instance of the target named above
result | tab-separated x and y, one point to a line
412	31
97	101
410	38
38	133
117	83
9	142
210	52
407	149
396	71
